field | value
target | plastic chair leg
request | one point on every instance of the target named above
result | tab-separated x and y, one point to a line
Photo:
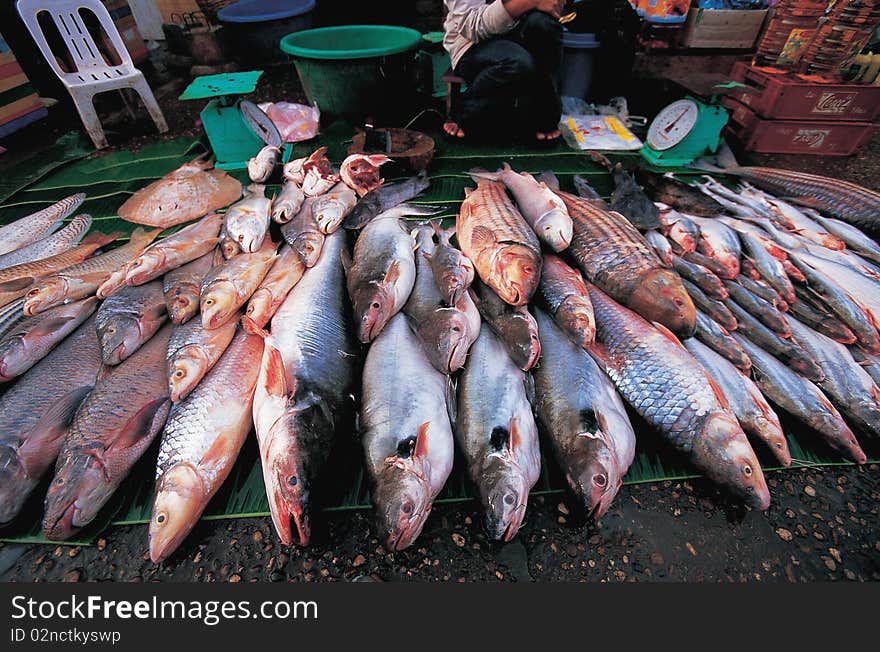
85	106
143	89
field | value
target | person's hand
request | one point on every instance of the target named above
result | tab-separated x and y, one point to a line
552	7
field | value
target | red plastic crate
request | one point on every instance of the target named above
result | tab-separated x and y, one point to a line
827	138
787	96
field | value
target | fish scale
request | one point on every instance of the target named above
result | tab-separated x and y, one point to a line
492	208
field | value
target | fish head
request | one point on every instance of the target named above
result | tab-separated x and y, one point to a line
661	297
229	248
143	268
48	293
449	335
575	314
521	338
505	494
260	306
185	371
403	502
837	434
250	235
218	301
308	245
179	502
374	305
118	337
15	485
516	273
729	460
555	228
598	478
183	305
328	214
78	491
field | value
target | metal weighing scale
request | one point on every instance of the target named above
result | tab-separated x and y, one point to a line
236	128
684	131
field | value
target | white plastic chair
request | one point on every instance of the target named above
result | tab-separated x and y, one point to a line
93	74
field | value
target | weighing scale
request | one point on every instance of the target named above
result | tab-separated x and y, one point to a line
236	128
684	131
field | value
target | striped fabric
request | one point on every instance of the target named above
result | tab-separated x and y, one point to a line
19	103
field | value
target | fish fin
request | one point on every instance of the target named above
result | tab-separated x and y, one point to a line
276	384
393	273
716	389
451	403
142	427
347	262
49	326
17	284
601	355
668	334
529	387
53	424
482	237
467	192
477	173
515	440
601	159
252	327
426	255
100	239
421	447
143	237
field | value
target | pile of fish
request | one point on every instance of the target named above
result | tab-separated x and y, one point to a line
338	305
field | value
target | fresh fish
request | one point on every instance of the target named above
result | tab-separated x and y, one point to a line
314	173
720	243
191	242
822	322
586	192
806	227
661	246
672	392
36	226
584	417
381	273
261	166
36	411
228	247
718	338
762	310
128	319
538	204
769	267
852	236
288	202
515	326
729	200
497	433
182	286
746	402
612	254
703	278
685	233
192	351
802	399
360	172
750	271
713	308
453	271
83	279
112	428
304	391
285	273
870	363
405	432
228	286
58	242
384	197
304	234
567	300
762	289
11	315
31	340
331	208
192	190
446	332
201	442
628	198
247	220
669	190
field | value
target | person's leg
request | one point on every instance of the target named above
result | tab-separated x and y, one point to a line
541	35
498	73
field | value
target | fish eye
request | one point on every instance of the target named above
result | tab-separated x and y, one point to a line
600	480
678	302
110	330
747	470
456	329
509	499
375	305
179	373
407	507
293	481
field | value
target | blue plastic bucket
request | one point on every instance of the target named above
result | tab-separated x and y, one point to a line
576	71
255	28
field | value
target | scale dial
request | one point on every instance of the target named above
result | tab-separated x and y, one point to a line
673	124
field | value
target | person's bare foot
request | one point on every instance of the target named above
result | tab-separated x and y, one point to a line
548	135
453	129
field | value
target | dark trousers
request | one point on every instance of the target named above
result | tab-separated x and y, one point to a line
511	80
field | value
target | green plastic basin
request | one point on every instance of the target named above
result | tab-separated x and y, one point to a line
350	42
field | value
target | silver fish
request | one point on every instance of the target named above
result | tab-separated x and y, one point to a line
247	220
30	228
288	202
56	243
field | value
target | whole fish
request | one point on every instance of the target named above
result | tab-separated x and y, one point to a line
129	318
31	228
703	278
538	204
228	286
585	419
804	226
567	300
496	431
386	196
504	249
713	265
846	383
785	349
453	271
822	322
405	432
718	338
201	442
112	428
769	267
288	202
720	243
762	310
852	236
612	254
303	395
380	274
446	332
247	220
192	190
179	248
36	411
746	402
802	399
870	363
628	198
182	286
717	310
668	387
286	272
331	208
862	289
83	279
192	351
261	166
661	246
669	190
30	341
304	234
685	234
515	325
762	289
360	172
60	241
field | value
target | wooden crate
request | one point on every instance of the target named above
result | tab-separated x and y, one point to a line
722	28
